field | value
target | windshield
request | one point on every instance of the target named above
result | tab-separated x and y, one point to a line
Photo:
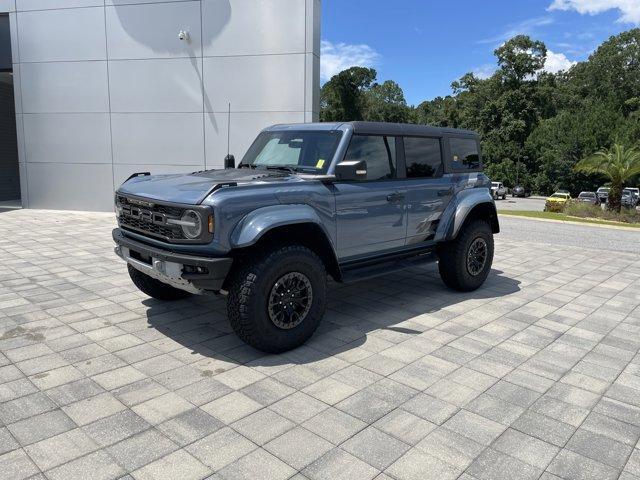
603	189
587	194
559	195
495	184
300	151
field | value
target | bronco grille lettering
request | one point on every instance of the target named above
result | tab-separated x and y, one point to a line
151	220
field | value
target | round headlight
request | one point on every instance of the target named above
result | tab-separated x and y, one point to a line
191	224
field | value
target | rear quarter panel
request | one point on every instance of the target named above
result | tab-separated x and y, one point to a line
470	190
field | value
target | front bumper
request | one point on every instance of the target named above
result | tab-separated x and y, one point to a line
169	267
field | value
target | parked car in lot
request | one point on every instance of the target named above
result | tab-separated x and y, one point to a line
521	191
557	201
603	194
349	200
629	198
589	197
498	190
635	193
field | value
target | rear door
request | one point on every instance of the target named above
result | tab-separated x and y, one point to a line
429	190
371	213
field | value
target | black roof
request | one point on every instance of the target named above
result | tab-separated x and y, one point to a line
382	128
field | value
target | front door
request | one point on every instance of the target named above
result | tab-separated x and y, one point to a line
371	214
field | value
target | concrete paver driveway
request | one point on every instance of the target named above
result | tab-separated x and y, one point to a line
536	375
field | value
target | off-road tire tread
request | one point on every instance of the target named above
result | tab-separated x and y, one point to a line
452	257
155	288
243	284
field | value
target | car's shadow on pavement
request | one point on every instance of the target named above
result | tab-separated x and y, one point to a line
372	314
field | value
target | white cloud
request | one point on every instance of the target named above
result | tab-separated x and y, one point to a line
526	27
629	9
484	71
335	57
556	62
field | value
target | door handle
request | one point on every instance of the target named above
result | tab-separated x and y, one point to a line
444	193
395	197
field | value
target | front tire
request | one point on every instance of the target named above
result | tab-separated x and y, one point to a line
465	263
277	299
155	288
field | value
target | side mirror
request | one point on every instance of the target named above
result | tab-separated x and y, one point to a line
229	161
351	170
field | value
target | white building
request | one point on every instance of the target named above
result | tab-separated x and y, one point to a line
105	88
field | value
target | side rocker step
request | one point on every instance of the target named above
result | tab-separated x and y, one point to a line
354	273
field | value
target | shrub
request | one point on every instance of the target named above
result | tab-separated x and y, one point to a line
585	210
556	207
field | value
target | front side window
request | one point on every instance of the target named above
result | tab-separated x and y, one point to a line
307	151
423	156
378	151
464	154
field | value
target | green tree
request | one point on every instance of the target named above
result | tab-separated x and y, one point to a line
342	98
612	73
504	171
618	163
520	58
385	103
440	112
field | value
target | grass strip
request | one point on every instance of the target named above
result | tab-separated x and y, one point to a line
561	217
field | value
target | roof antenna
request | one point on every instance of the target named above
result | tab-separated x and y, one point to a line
229	160
228	128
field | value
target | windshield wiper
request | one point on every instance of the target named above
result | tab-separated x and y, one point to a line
291	168
285	168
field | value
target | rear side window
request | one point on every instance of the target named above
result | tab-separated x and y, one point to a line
379	152
423	157
464	154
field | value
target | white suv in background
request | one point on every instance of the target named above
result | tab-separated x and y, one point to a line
498	190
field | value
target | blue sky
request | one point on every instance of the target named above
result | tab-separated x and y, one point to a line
424	45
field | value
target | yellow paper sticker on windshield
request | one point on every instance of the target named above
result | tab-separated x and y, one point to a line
320	163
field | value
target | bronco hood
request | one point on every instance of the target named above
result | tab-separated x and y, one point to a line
192	188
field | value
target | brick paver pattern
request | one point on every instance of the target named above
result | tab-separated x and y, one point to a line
536	375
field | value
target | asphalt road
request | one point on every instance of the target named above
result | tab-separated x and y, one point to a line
530	204
556	233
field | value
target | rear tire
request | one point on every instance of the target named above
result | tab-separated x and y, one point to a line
465	263
504	197
155	288
277	298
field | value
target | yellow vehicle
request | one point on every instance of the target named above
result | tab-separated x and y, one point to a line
556	202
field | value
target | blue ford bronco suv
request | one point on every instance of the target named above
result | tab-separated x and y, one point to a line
349	200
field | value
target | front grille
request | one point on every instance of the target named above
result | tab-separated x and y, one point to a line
150	228
149	218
